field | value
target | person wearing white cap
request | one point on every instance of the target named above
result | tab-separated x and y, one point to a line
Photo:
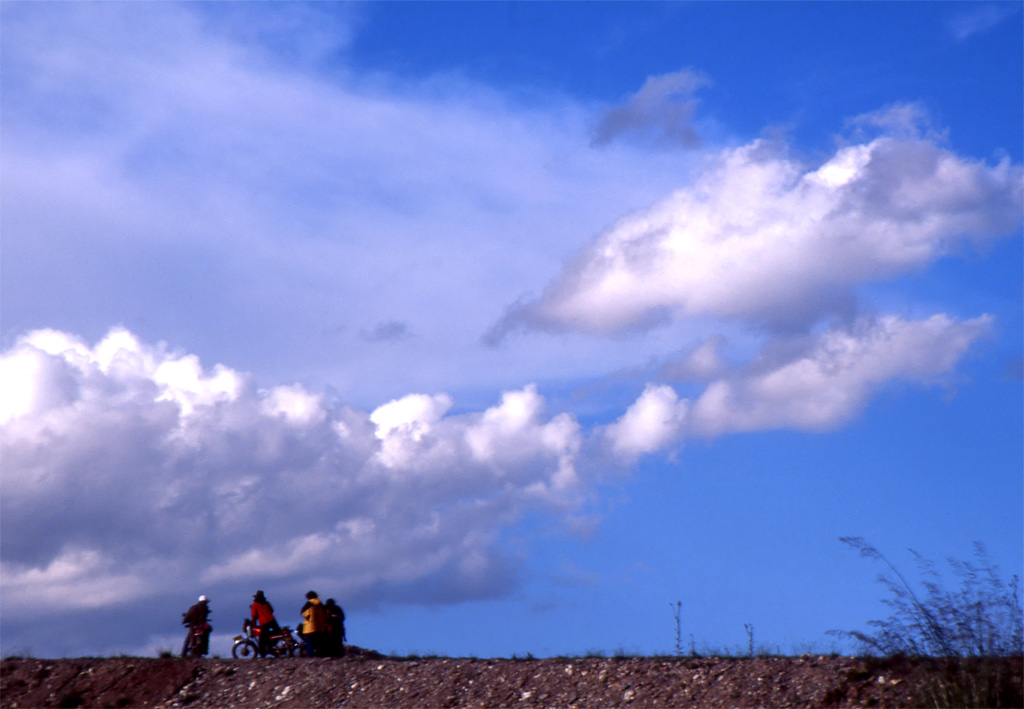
196	619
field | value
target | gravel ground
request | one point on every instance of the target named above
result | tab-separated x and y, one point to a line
365	679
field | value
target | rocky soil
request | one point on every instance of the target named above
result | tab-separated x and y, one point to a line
366	679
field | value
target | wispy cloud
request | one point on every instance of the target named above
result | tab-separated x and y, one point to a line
980	19
269	184
661	111
390	331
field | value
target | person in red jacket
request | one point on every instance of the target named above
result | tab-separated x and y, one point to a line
263	618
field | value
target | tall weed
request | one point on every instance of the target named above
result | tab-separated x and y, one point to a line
977	629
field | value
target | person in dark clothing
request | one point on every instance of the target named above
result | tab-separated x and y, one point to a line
314	629
335	628
262	614
197	617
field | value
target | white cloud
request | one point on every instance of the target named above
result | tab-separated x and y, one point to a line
833	381
701	363
76	579
763	240
821	387
124	456
653	422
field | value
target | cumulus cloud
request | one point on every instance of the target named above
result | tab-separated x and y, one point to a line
652	422
125	457
832	382
761	239
661	111
818	388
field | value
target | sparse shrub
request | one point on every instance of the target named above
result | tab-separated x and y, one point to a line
977	630
23	653
677	612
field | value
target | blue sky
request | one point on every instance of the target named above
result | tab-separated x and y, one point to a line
506	325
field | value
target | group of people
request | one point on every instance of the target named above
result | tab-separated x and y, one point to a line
322	630
323	627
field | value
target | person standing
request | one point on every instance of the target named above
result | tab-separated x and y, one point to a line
262	614
314	629
335	628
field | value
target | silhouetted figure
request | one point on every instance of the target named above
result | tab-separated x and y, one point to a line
335	628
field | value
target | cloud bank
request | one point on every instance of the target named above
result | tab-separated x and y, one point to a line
123	459
126	464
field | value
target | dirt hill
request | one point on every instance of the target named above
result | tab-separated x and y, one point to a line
365	679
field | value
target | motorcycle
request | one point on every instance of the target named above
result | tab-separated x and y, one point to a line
282	642
197	640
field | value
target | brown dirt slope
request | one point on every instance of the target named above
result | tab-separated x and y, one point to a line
364	679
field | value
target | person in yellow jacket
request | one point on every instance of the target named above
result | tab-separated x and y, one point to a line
314	629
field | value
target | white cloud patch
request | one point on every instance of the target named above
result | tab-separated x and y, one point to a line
833	381
653	422
817	389
761	239
124	457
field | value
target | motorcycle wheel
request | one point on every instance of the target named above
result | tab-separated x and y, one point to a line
283	648
244	649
